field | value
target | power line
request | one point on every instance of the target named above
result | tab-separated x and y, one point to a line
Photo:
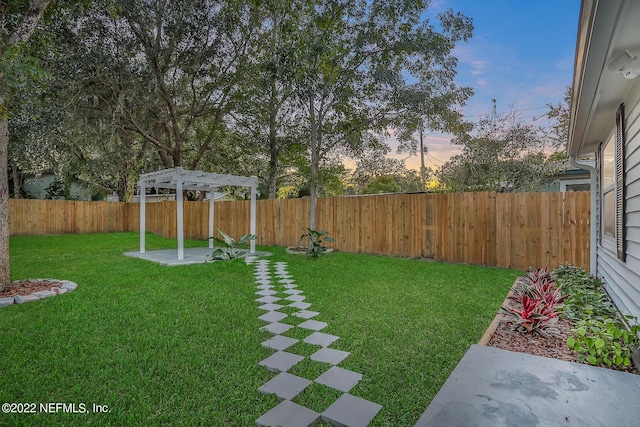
438	160
506	112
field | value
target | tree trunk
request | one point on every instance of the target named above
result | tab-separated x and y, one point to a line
315	160
16	176
21	34
422	168
273	162
4	201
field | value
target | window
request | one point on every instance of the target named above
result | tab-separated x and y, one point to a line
608	188
612	187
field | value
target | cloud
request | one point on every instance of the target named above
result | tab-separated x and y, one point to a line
471	56
551	90
478	67
565	63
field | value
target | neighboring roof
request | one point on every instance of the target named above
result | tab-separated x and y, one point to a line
606	29
567	171
193	180
572	174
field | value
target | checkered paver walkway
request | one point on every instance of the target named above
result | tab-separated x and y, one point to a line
276	289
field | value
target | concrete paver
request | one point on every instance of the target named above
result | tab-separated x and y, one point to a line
339	378
288	414
351	411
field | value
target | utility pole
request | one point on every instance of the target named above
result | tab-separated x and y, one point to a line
422	168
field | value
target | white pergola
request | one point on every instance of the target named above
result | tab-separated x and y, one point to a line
179	180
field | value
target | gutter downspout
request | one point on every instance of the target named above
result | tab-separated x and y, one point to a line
593	269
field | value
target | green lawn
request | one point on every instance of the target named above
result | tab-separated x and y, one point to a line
180	345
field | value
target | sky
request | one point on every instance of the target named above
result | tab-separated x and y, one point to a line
521	54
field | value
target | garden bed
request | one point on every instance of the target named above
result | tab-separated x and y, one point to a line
29	286
503	334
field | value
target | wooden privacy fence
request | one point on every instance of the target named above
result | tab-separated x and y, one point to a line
505	230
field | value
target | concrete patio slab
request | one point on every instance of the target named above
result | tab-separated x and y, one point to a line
295	297
191	256
340	379
292	291
288	414
351	411
285	386
494	387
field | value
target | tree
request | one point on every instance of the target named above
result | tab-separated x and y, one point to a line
165	72
267	120
559	131
352	56
381	184
373	164
502	154
17	24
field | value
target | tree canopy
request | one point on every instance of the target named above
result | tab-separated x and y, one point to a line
502	153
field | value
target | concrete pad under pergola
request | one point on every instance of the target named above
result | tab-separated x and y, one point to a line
179	180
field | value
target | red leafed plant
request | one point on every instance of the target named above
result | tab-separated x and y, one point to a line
534	302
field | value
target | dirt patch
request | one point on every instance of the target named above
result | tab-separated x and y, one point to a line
29	286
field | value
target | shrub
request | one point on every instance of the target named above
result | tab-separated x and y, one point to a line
231	251
600	336
534	303
587	298
532	315
316	242
604	342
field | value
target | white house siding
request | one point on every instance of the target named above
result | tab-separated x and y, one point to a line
623	278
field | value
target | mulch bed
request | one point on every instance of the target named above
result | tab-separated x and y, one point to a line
507	339
555	347
26	287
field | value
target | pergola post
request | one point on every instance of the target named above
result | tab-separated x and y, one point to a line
252	229
180	215
143	216
212	194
